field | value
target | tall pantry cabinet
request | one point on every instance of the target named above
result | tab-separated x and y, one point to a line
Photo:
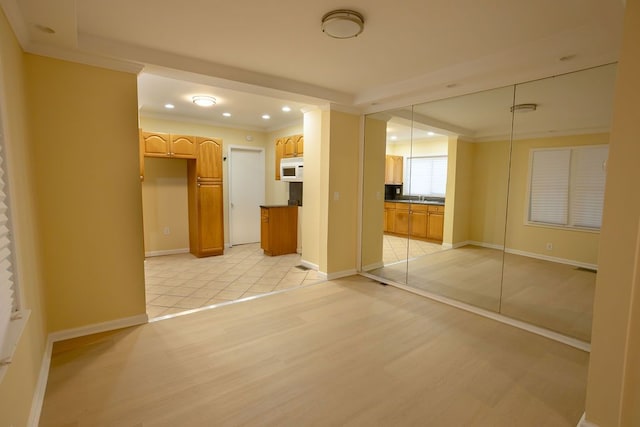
204	185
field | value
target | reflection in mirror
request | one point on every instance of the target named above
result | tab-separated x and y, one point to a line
445	188
472	218
556	190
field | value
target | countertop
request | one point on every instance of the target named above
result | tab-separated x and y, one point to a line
278	206
416	202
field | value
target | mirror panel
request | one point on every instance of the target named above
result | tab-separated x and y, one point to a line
472	134
555	199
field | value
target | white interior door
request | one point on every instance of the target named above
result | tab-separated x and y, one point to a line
246	194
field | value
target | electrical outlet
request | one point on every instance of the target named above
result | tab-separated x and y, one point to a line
166	231
549	246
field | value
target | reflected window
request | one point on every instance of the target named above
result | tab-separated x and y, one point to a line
427	176
567	186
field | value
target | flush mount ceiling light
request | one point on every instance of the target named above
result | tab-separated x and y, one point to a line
342	24
204	101
524	108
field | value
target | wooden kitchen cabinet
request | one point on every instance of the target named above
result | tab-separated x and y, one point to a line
209	159
435	229
415	220
393	169
206	228
418	217
389	217
278	229
402	218
156	144
288	146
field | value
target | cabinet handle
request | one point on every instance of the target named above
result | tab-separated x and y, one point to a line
198	179
199	184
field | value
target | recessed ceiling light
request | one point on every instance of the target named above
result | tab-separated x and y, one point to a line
226	114
169	106
342	24
286	109
266	116
393	138
430	133
203	100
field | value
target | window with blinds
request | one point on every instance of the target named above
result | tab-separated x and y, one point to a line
8	296
425	176
567	186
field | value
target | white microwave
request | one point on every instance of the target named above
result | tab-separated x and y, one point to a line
291	169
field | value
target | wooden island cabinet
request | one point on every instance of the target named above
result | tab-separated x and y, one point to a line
279	229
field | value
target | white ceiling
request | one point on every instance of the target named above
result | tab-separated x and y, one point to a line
410	51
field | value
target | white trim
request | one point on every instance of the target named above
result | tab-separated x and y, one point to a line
448	245
553	259
485	245
339	274
573	342
95	328
166	252
584	423
41	385
309	265
373	266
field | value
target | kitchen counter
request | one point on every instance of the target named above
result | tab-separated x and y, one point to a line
416	202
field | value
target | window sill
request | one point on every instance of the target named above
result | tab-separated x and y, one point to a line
562	227
16	327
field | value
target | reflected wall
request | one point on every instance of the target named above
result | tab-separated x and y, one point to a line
473	240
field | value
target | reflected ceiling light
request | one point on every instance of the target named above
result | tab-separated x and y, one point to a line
169	106
393	138
342	24
286	109
203	100
226	114
266	116
430	133
524	108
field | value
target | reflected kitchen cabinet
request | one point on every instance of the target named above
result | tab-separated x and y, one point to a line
393	170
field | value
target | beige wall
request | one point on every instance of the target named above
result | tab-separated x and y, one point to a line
18	386
574	245
436	146
85	157
343	192
165	205
460	210
311	197
373	193
613	388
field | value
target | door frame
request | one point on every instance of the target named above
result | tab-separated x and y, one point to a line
231	148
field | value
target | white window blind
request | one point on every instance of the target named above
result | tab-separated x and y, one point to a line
8	303
426	176
567	186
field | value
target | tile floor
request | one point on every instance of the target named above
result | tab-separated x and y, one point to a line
395	248
177	283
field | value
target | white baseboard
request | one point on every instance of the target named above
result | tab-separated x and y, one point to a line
309	265
339	274
167	252
584	423
95	328
41	385
373	266
552	259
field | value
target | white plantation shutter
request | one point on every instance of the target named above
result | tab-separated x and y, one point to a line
567	186
426	176
587	195
550	186
8	303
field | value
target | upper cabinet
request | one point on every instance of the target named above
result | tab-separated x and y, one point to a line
209	155
393	170
288	146
155	144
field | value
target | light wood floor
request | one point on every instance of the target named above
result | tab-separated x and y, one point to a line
555	296
345	352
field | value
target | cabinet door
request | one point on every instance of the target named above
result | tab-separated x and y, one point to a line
388	170
299	145
402	221
436	226
156	144
265	244
210	226
390	220
279	155
398	168
209	159
418	224
289	147
183	146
